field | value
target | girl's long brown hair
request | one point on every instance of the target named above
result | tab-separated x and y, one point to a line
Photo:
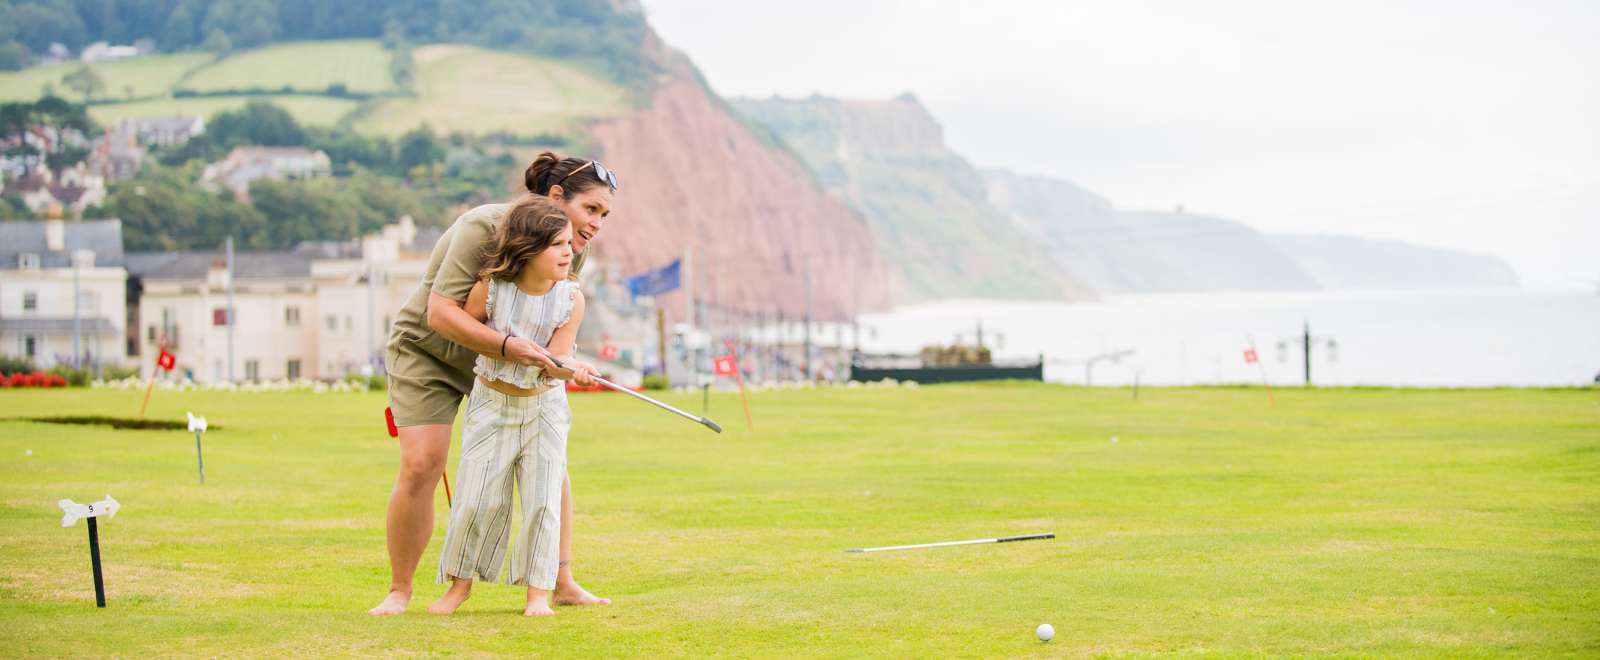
530	226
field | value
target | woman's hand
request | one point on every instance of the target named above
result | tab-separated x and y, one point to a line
527	352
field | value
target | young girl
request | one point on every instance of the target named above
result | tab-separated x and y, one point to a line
517	417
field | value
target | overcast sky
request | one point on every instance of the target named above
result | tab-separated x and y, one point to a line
1470	125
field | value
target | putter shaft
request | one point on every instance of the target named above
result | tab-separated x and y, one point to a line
629	391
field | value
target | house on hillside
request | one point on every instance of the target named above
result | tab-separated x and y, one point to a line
244	165
71	190
37	296
116	156
101	51
163	131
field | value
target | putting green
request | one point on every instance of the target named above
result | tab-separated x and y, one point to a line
1367	522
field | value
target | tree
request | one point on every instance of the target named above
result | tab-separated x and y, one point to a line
258	122
85	81
419	148
217	42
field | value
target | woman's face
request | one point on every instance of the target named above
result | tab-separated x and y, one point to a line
588	211
555	262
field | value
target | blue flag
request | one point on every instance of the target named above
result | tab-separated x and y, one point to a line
656	282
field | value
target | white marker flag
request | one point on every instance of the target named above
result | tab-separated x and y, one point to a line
107	507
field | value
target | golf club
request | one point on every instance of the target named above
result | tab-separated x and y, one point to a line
705	421
1003	539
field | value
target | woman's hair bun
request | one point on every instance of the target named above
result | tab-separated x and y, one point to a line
538	176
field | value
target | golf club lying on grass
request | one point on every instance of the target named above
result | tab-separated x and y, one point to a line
628	391
1003	539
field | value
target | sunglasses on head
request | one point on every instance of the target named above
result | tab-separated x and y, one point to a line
600	171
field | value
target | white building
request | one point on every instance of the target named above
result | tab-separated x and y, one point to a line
37	295
163	131
244	165
320	312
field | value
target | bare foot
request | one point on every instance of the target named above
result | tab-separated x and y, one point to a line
459	591
538	603
572	594
394	604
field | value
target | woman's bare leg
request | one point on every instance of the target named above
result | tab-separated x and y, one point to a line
567	590
423	451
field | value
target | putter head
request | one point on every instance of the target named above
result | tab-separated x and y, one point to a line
711	425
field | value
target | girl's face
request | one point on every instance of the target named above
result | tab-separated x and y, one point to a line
555	261
588	211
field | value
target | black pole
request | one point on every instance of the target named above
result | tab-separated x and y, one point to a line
200	457
1307	338
94	558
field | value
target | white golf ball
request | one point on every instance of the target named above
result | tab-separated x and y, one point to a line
28	453
1046	632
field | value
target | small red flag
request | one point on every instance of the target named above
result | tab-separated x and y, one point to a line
725	365
608	352
394	431
1250	355
166	361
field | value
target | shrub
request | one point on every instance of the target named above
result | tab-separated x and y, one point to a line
656	382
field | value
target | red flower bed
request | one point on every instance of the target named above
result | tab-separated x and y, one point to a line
35	379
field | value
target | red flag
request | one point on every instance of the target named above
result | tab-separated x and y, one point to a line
166	361
608	352
1250	355
726	365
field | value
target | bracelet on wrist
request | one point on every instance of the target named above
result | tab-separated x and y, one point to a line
503	344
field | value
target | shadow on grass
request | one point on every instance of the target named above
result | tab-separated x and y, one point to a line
114	422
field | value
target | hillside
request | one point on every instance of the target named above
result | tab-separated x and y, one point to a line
479	91
926	205
1119	251
1141	251
694	175
1347	262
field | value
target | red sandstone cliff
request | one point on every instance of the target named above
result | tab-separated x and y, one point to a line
693	175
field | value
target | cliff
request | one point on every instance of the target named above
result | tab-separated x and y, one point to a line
926	205
694	175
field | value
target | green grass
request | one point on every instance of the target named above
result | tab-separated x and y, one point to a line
148	76
1365	522
478	91
362	65
311	110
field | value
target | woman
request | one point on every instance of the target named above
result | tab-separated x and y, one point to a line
430	356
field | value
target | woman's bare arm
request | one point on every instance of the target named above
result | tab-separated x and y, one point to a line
450	319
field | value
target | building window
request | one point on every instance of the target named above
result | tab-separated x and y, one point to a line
30	346
252	370
219	316
30	301
333	323
28	261
151	335
293	369
291	316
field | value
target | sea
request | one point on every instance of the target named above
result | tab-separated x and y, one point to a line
1438	338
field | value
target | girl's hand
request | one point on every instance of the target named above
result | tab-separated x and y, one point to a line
582	374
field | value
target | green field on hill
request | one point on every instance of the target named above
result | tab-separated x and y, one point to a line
148	76
361	65
308	110
457	88
478	91
1189	521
